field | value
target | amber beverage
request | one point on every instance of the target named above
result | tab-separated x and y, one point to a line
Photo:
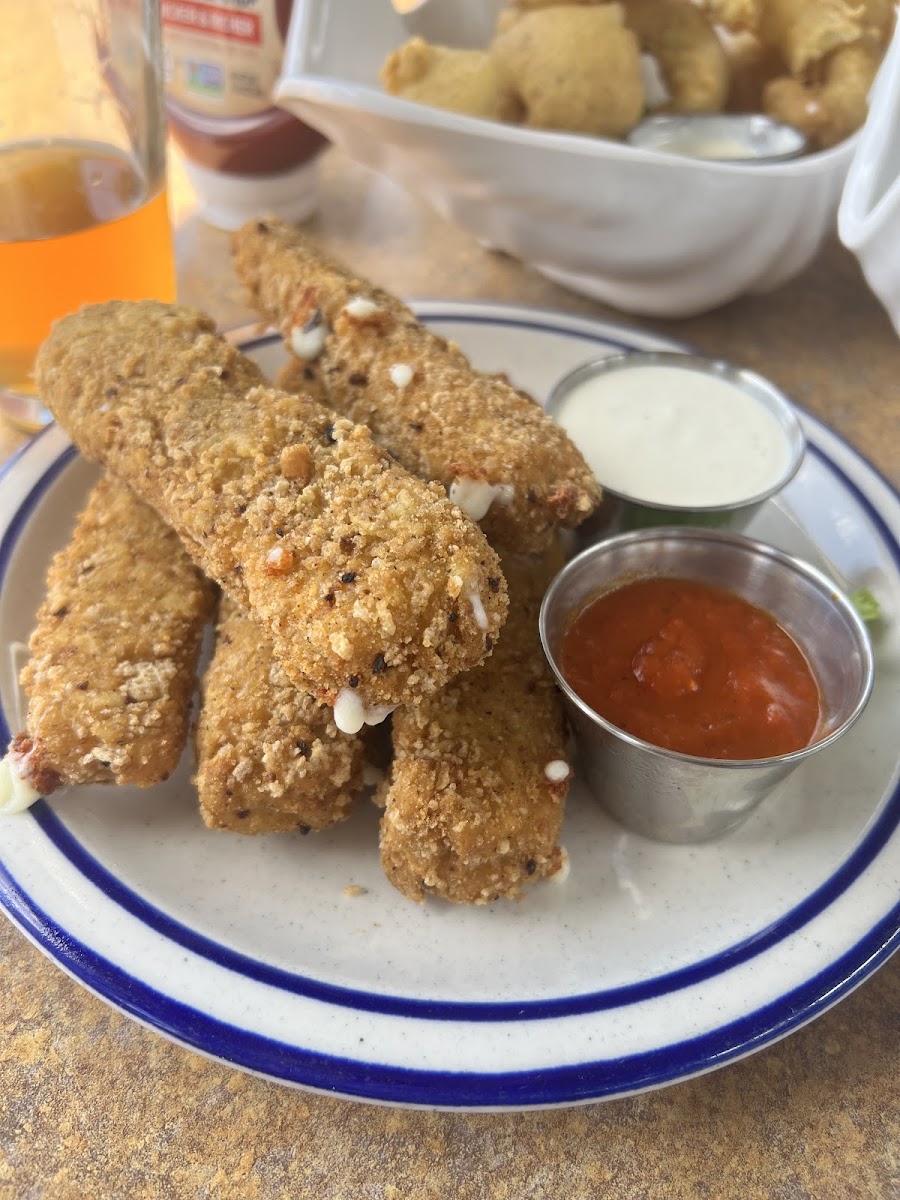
77	226
83	211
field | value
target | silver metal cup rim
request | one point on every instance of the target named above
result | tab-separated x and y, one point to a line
740	544
757	386
759	131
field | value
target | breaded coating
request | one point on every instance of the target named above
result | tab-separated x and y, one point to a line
576	68
738	16
463	81
751	66
269	757
496	451
805	31
475	798
114	654
830	111
879	20
528	5
373	588
691	58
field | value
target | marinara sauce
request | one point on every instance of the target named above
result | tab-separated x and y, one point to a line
692	668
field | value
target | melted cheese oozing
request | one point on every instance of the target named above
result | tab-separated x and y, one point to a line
675	436
308	343
351	712
475	496
15	794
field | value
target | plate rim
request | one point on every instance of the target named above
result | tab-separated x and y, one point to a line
860	962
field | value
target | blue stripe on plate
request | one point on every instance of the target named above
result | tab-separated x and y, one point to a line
433	318
598	1079
460	1010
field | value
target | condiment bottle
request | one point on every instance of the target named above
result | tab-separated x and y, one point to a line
244	156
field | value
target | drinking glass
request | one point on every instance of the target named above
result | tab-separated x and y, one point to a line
83	208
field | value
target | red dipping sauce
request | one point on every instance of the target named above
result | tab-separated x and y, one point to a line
692	668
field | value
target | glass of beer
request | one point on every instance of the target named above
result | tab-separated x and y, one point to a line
83	209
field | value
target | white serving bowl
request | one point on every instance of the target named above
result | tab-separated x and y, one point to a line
648	232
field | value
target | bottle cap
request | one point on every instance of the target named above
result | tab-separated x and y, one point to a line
227	201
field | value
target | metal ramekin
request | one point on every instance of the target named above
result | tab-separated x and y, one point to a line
620	511
676	797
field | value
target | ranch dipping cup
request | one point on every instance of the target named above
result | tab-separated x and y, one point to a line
676	797
677	439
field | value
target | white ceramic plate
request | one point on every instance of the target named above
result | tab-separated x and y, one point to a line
651	963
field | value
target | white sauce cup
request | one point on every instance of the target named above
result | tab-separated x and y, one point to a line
724	137
675	797
623	508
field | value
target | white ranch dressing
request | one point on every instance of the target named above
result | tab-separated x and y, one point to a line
709	145
671	435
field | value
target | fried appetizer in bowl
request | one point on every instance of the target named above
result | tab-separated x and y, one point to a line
269	758
575	68
114	653
372	587
691	58
829	110
805	31
475	798
495	450
463	81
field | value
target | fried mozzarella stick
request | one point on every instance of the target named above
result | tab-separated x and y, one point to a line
496	451
113	658
475	797
269	757
372	587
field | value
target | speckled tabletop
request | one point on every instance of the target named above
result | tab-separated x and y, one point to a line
94	1106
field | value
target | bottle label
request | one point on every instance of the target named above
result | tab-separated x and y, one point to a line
222	59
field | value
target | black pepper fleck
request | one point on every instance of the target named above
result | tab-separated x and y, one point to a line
531	866
329	433
110	392
417	426
454	616
303	747
279	532
348	577
242	813
488	642
304	829
329	599
493	584
83	686
353	681
379	664
358	379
